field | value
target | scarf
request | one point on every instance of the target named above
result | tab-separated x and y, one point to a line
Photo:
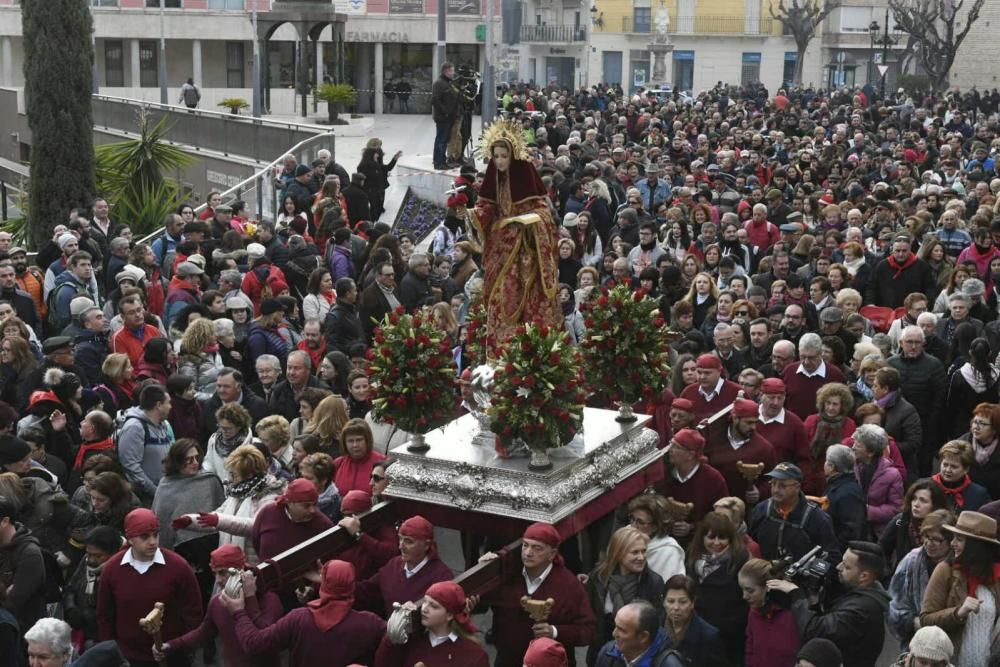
853	265
954	491
225	446
86	448
247	488
329	296
886	400
390	296
973	582
336	595
975	380
866	472
899	268
622	589
93	574
984	453
709	563
864	389
827	433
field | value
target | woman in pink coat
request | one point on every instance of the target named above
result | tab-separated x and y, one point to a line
878	478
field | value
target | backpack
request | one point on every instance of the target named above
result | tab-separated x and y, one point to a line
119	424
54	321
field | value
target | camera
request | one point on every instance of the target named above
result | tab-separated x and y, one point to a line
809	573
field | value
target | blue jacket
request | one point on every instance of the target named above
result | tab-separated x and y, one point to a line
659	654
661	193
65	295
702	644
164	245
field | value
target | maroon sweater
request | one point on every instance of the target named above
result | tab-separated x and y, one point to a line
353	640
789	440
705	487
125	596
571	615
273	532
219	622
800	391
704	409
390	584
757	450
463	653
372	552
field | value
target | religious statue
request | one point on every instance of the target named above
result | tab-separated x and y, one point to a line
520	252
662	23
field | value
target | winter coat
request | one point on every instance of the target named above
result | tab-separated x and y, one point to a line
665	556
720	602
902	423
966	390
772	637
90	351
846	507
22	568
884	289
701	645
282	400
885	494
945	593
236	516
925	386
649	588
341	264
266	341
659	654
907	592
855	622
179	296
142	446
203	369
988	474
343	329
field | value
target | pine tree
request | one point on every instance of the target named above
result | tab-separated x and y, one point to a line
58	54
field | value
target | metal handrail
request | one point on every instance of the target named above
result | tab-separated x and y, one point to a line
304	127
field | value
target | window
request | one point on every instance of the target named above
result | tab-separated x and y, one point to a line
855	19
114	63
169	4
642	19
788	74
103	3
148	68
750	72
234	64
227	4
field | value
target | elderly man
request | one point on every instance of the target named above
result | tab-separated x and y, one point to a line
924	383
691	478
378	299
782	428
804	379
415	288
711	393
571	620
725	349
290	520
845	500
284	399
229	388
268	370
762	233
741	443
639	638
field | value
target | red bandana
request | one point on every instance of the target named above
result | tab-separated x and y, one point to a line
900	268
954	491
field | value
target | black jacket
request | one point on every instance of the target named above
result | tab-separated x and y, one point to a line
987	475
301	195
22	565
855	622
902	423
90	352
925	386
885	289
649	588
720	602
847	508
701	645
445	102
24	307
343	329
254	404
373	307
282	400
358	204
413	290
804	528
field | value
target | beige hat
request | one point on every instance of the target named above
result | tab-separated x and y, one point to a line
569	220
976	525
255	251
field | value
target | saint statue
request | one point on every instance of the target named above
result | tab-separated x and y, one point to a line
520	252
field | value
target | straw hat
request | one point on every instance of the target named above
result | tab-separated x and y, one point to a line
975	525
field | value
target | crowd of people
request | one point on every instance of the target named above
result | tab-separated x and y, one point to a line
177	411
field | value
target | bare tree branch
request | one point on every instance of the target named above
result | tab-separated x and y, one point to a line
937	30
800	19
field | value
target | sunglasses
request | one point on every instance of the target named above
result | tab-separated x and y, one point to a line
377	478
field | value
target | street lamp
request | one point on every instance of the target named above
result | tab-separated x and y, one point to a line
595	18
886	41
873	29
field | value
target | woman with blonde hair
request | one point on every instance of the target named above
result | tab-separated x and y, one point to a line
250	488
327	421
199	357
736	510
17	362
622	577
318	468
275	432
444	319
119	384
702	295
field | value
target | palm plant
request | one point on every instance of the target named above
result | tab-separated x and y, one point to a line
336	95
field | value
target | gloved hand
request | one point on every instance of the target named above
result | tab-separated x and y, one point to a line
181	522
208	519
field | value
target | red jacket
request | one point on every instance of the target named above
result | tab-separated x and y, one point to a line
125	341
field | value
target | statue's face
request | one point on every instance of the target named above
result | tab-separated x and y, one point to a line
501	158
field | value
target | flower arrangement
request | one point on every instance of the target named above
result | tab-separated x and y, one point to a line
412	373
417	216
478	343
625	348
538	392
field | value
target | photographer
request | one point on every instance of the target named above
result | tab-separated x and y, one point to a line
855	621
788	524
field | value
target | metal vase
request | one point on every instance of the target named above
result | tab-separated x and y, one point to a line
625	414
418	443
539	460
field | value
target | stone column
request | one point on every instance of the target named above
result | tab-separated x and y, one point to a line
136	81
379	78
6	57
196	61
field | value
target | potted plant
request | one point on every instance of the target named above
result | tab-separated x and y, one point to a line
412	375
336	96
234	104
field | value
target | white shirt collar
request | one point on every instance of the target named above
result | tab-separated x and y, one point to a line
142	566
820	372
409	573
534	584
780	417
684	479
736	444
437	641
715	392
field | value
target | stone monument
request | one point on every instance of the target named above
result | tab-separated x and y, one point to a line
660	47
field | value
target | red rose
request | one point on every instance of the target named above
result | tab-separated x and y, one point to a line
417	322
509	368
434	362
605	325
589	322
544	330
394	319
369	354
515	381
627	324
410	343
529	382
526	346
555	358
520	331
659	322
639	294
620	360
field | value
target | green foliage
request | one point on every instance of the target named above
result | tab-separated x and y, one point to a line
234	104
337	93
57	71
131	174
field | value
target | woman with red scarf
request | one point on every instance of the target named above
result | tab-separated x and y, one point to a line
963	596
447	636
327	627
961	492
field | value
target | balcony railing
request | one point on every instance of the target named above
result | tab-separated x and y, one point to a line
694	25
553	33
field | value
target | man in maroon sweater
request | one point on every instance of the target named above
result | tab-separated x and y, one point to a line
681	414
405	577
571	620
711	393
134	580
783	429
803	380
292	519
691	479
741	442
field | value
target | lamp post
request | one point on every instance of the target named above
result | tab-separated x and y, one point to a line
873	29
885	41
163	58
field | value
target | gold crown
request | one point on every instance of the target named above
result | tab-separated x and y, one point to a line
504	130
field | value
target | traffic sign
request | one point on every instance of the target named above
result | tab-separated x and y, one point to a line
882	69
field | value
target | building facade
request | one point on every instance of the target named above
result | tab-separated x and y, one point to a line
212	41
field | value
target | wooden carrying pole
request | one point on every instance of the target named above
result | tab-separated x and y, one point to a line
152	624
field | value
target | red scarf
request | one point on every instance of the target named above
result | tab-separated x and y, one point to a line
972	583
898	268
955	491
85	448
